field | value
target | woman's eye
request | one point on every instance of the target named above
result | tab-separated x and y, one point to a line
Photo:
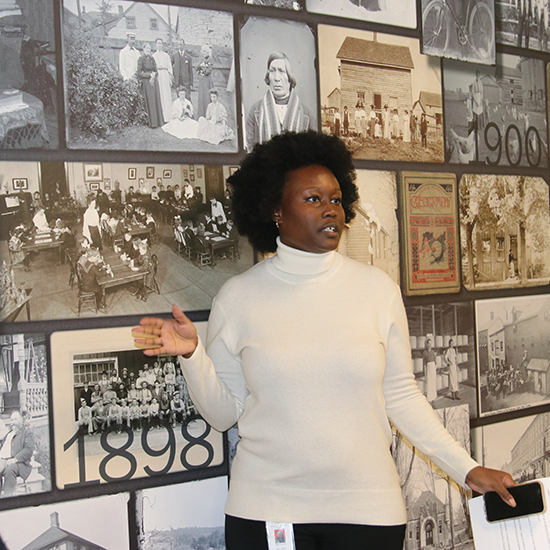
312	199
337	200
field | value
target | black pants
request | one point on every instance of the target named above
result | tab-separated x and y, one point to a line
245	534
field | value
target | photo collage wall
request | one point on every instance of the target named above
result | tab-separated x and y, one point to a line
120	122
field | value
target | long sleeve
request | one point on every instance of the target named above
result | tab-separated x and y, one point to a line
409	410
218	392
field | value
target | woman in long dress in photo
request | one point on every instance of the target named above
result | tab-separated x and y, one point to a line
206	81
165	79
147	75
450	359
430	372
213	128
182	124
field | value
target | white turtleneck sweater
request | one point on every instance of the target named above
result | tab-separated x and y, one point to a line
310	354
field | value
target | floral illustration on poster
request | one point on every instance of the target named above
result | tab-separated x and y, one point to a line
431	233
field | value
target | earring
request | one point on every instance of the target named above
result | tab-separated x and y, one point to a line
277	224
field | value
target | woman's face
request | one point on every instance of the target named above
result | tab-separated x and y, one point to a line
214	98
147	49
311	216
159	45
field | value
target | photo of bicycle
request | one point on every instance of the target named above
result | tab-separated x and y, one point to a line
459	29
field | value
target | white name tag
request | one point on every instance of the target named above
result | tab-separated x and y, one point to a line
280	536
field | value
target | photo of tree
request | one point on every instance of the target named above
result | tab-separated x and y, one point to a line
504	230
141	76
437	510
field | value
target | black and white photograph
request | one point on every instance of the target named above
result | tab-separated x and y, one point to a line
504	231
120	415
99	523
24	421
443	353
523	23
496	115
73	249
517	446
380	95
28	75
392	12
459	29
437	509
162	77
283	4
279	84
185	516
372	237
513	346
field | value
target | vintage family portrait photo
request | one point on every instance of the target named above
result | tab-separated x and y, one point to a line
430	232
391	12
380	95
459	29
121	415
74	248
513	345
504	231
25	417
443	353
279	91
162	77
523	23
496	115
437	508
185	515
94	523
28	75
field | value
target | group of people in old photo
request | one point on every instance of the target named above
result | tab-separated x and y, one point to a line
153	395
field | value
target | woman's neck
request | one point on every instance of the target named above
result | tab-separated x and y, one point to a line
300	262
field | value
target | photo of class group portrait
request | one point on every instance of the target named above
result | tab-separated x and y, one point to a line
123	389
161	77
24	415
89	239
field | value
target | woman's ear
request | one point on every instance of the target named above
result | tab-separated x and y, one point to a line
276	217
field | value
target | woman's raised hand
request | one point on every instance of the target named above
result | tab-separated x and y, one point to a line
177	336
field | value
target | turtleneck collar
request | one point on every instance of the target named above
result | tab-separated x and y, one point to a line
298	262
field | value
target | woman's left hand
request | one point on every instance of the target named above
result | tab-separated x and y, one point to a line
482	479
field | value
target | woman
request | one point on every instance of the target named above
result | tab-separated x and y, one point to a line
450	360
430	372
182	124
213	128
165	77
206	81
302	329
147	75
